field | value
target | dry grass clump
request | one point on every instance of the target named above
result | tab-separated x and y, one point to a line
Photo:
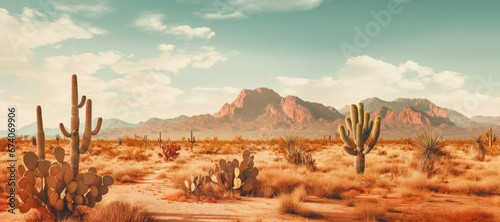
127	173
331	188
119	211
470	215
484	187
135	154
292	204
366	211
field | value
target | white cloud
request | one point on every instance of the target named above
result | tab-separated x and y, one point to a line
449	80
232	15
468	103
151	22
154	22
237	9
187	31
171	61
141	92
31	30
87	8
364	77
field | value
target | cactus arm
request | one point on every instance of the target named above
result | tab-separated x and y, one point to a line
348	123
366	123
367	133
97	127
359	138
344	137
82	102
361	115
375	135
87	135
350	150
354	118
63	130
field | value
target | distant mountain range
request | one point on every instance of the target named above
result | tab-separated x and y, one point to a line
262	113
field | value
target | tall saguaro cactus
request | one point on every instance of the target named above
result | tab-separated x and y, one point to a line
361	127
76	148
145	141
192	140
490	137
159	139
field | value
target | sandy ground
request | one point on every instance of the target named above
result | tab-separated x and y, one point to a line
149	192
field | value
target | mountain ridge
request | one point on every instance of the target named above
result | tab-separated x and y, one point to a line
262	111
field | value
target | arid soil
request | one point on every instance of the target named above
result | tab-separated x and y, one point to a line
391	189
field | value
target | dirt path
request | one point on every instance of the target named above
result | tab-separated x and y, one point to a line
149	193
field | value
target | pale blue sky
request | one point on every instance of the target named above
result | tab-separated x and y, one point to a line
203	52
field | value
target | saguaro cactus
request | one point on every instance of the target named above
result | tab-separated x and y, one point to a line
62	190
490	137
361	127
76	148
145	141
58	137
159	139
192	140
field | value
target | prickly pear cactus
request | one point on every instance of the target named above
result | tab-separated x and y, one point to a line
196	184
236	175
57	188
62	191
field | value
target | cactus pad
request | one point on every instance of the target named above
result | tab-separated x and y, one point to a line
30	160
59	154
107	180
246	155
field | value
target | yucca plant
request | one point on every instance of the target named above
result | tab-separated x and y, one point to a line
294	148
478	147
429	150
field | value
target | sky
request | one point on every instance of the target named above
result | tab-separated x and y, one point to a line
138	60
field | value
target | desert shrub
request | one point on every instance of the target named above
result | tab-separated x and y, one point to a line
429	150
4	144
308	161
209	148
136	154
478	147
133	142
170	150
